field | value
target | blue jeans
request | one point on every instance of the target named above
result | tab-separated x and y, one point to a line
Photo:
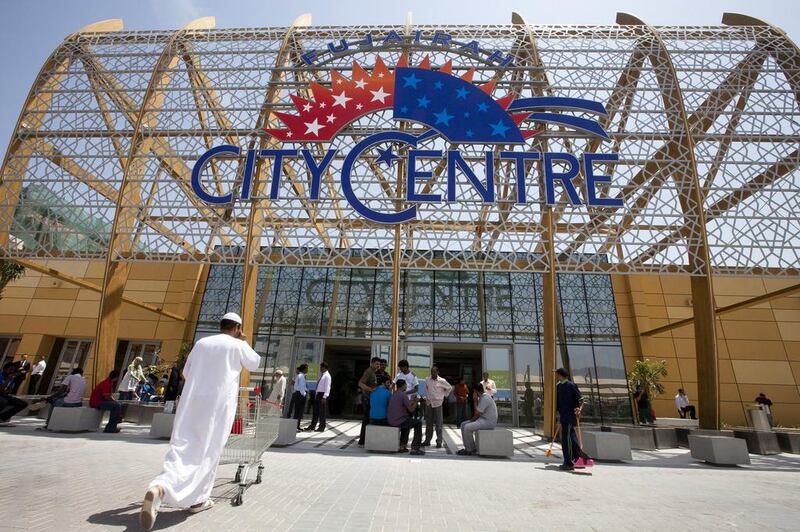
115	411
61	404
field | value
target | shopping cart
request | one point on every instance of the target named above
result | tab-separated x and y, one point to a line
255	428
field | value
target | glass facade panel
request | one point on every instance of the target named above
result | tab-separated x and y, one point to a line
529	383
445	306
497	362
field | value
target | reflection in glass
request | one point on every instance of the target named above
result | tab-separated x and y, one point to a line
496	361
529	384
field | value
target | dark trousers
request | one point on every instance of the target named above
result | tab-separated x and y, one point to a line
406	427
10	406
688	410
461	413
320	412
570	447
645	415
114	414
364	419
434	419
296	407
33	384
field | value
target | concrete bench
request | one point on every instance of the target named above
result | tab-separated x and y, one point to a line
141	413
677	422
382	439
640	437
287	432
720	450
44	412
759	442
682	433
495	442
789	441
607	446
75	419
665	437
162	425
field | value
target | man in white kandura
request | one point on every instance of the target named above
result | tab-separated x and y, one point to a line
203	421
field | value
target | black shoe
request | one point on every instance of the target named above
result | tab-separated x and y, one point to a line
425	444
564	467
464	452
439	445
322	429
308	429
417	452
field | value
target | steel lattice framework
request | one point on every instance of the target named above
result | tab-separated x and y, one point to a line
705	121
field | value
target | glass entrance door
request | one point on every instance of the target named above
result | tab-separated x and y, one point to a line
73	354
149	351
497	362
420	358
308	351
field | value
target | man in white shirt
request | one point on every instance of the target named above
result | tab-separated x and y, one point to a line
278	387
485	418
321	399
488	385
69	393
437	389
36	374
297	405
682	403
412	385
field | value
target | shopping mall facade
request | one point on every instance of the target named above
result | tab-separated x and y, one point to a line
507	198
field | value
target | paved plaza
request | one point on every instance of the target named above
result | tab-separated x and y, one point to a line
325	482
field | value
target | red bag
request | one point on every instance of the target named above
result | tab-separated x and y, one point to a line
653	413
237	425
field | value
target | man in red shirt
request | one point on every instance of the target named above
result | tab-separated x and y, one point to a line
101	398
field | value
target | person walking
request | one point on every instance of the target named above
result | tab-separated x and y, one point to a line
134	376
203	421
367	384
321	399
489	385
643	405
298	402
437	389
36	375
462	395
683	406
278	390
569	403
485	418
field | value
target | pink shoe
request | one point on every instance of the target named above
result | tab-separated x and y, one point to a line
589	463
579	463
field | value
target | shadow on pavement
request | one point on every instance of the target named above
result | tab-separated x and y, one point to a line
128	517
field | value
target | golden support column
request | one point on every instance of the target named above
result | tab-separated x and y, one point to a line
549	318
394	355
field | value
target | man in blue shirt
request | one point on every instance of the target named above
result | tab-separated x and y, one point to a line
379	403
569	402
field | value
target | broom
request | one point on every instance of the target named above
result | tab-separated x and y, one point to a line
580	461
549	451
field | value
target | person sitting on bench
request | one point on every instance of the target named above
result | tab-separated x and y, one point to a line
682	403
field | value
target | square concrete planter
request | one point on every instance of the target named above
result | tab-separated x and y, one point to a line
381	438
162	425
759	442
287	432
611	446
789	442
496	442
81	419
641	437
719	450
665	438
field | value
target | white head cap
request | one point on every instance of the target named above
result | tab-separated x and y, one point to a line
232	316
278	372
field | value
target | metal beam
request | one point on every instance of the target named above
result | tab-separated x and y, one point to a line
691	199
115	274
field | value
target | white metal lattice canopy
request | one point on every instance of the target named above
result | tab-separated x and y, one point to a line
705	122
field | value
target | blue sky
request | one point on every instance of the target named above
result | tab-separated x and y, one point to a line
30	30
